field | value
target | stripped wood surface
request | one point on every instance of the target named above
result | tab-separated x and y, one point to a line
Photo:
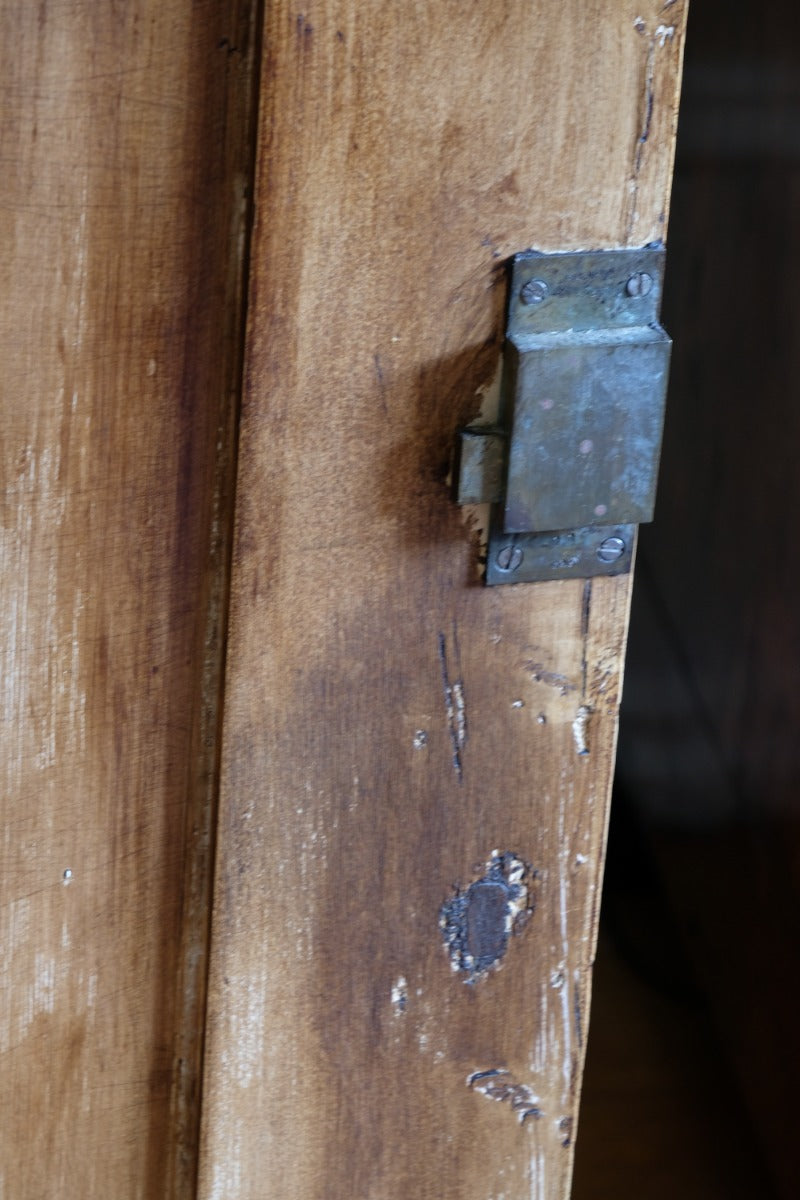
125	156
389	723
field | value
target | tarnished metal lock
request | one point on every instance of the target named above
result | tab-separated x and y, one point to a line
572	468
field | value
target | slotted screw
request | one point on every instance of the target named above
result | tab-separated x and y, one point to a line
611	549
508	558
534	291
639	284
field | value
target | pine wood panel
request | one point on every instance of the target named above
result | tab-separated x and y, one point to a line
388	721
125	152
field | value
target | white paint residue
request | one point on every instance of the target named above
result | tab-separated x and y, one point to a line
518	899
38	659
399	995
580	729
226	1179
664	33
44	985
81	241
77	695
43	980
248	1022
563	913
18	924
457	713
539	1059
537	1175
46	754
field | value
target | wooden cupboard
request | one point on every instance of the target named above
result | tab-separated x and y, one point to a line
222	973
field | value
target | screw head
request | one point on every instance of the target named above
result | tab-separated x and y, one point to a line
639	284
508	558
534	291
611	549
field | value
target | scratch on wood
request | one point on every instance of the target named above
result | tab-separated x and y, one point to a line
576	1005
550	678
498	1084
647	107
586	608
381	381
454	702
662	35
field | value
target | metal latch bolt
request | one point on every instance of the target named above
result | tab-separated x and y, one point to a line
571	467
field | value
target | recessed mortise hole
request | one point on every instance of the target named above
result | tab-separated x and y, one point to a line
477	922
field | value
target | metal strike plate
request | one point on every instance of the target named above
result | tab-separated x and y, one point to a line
574	459
565	554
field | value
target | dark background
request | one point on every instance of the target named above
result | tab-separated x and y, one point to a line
691	1085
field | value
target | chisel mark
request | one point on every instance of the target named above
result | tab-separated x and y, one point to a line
454	702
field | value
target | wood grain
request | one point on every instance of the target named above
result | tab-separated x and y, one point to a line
388	721
125	155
